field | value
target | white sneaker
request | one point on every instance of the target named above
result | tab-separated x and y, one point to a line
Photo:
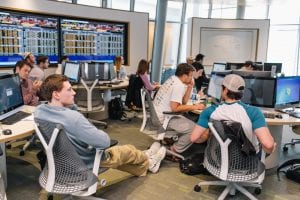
153	149
155	160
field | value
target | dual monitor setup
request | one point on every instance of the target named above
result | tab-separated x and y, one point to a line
261	91
89	72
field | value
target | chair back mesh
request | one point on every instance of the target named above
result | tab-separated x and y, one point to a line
241	167
81	98
71	174
153	122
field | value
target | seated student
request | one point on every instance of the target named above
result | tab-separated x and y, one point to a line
120	68
143	71
57	90
29	87
248	66
37	72
251	118
189	60
173	96
202	79
29	58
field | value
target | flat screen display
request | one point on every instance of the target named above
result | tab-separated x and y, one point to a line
72	72
10	93
99	41
259	91
276	66
215	86
288	90
27	32
219	67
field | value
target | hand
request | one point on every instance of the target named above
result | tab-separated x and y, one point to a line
275	147
199	106
191	84
36	84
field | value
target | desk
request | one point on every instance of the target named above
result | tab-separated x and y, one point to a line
19	130
121	85
275	126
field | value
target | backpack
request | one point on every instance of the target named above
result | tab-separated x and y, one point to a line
116	109
293	172
133	96
193	165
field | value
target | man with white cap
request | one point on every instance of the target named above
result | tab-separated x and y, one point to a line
29	58
251	118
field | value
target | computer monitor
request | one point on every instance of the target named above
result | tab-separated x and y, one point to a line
72	72
288	90
112	72
11	99
215	86
250	73
219	67
96	70
275	66
259	91
234	66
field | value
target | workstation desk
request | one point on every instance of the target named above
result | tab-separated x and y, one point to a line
20	130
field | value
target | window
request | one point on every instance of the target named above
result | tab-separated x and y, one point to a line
96	3
256	12
196	10
174	11
120	4
224	11
148	6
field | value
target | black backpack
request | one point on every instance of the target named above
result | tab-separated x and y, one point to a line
193	165
293	172
116	109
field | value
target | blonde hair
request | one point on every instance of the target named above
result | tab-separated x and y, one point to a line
118	62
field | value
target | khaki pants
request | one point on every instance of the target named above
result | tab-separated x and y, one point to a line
126	158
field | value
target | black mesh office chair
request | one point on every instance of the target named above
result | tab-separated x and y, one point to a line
65	172
2	186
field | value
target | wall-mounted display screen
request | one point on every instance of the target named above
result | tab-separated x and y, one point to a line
84	40
26	32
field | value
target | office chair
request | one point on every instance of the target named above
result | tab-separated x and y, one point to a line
65	172
224	159
2	186
153	127
90	101
296	129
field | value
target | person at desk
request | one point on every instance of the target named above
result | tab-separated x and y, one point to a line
173	96
37	72
201	77
248	66
120	68
251	118
29	58
29	87
57	90
143	71
61	66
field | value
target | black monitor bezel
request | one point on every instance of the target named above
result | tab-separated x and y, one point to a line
219	63
20	89
274	91
270	65
78	73
290	103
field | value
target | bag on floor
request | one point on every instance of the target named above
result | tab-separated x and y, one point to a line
193	165
116	109
292	172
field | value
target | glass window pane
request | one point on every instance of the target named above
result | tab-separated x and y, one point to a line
174	11
284	12
196	10
255	12
224	12
148	6
171	41
96	3
285	51
68	1
120	4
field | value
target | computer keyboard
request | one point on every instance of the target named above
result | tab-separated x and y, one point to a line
15	117
269	115
295	114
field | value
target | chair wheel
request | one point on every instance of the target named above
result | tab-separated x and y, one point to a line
257	191
197	188
285	148
22	153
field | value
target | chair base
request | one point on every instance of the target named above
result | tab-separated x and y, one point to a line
70	197
293	142
231	188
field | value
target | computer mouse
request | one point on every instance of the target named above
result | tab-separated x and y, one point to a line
6	132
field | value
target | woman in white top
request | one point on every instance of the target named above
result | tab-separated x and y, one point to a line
119	68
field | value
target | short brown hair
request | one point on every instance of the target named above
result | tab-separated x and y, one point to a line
41	59
143	67
184	68
52	83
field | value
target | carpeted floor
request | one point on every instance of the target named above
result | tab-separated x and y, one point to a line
169	183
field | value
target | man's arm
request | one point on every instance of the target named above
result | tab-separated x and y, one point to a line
265	138
199	134
177	107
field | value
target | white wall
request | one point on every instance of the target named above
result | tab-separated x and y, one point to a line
138	22
195	25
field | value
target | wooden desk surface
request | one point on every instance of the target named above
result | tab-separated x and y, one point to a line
20	129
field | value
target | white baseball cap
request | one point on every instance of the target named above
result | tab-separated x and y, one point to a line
234	83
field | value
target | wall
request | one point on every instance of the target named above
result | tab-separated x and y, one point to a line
138	22
195	25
